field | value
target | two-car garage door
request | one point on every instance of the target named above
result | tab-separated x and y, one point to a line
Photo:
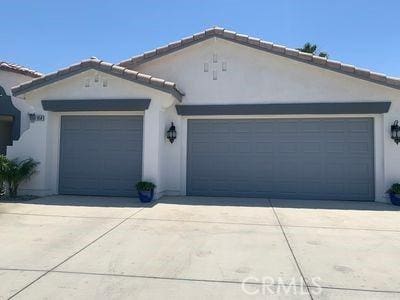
282	158
100	155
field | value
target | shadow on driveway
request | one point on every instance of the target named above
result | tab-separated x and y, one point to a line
334	205
90	201
96	201
262	202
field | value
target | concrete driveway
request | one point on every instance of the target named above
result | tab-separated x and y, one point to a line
200	248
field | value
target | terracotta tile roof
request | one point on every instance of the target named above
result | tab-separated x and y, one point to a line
265	46
19	69
94	63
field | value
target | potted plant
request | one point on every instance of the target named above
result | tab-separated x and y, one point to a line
394	193
145	190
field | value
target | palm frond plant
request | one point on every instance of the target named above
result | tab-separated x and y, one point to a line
3	168
18	171
312	49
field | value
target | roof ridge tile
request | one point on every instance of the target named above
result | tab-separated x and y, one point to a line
11	67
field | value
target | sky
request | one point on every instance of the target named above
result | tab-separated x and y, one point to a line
49	35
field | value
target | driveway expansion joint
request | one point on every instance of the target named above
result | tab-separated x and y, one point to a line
172	278
291	250
354	289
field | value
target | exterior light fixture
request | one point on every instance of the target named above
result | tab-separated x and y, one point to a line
171	133
395	132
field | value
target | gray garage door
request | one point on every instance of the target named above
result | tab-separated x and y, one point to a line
327	159
100	155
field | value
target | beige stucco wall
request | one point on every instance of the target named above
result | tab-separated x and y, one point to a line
11	79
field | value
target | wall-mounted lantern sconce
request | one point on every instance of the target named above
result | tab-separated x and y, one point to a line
171	133
395	132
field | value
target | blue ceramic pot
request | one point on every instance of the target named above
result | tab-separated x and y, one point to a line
146	196
395	199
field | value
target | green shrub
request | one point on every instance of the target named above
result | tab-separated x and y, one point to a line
395	189
145	186
17	171
3	166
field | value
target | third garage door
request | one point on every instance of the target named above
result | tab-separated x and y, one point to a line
326	159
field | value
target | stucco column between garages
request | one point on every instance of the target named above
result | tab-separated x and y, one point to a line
152	137
155	145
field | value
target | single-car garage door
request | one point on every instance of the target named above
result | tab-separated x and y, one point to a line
326	159
100	155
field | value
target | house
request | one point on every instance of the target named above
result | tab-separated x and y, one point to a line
252	119
11	107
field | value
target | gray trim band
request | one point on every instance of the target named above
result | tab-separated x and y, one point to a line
96	105
285	109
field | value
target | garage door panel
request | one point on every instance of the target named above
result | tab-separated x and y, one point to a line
221	147
284	169
71	124
263	147
262	165
335	125
262	128
335	171
287	147
90	124
311	188
310	147
336	147
358	188
200	147
296	159
241	147
287	127
311	170
223	127
100	155
241	126
335	188
310	126
359	126
359	147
